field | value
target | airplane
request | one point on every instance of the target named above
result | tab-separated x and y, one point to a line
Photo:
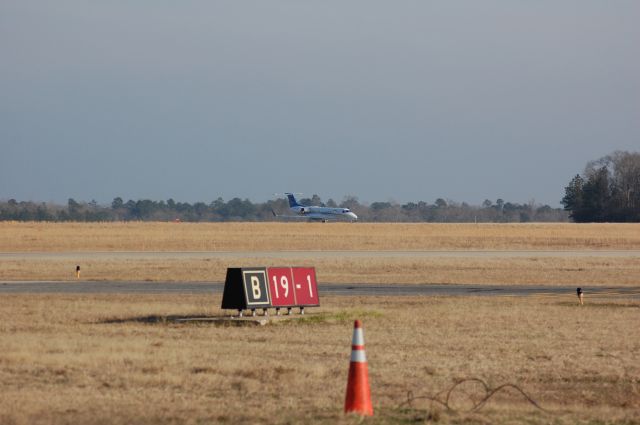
314	213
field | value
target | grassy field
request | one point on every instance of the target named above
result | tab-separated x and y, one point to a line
260	237
136	236
515	271
123	359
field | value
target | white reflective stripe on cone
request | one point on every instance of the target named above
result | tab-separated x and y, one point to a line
358	337
358	356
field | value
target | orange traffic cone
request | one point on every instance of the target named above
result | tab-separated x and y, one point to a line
358	398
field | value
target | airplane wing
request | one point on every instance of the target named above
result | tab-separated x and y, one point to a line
289	216
310	216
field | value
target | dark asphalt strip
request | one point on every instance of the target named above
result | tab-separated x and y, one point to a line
359	289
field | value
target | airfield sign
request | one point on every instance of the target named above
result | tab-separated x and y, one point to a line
265	287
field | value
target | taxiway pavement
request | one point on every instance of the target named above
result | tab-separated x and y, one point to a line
355	289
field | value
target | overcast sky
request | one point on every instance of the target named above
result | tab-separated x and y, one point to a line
384	100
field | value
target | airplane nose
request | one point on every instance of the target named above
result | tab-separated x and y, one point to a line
352	215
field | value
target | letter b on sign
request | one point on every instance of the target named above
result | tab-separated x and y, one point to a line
255	288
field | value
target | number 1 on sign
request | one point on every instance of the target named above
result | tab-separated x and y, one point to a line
275	285
310	288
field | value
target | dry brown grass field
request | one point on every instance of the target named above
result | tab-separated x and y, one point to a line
592	271
121	359
264	237
137	236
98	359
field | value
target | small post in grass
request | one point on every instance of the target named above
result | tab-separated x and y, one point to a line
77	272
580	296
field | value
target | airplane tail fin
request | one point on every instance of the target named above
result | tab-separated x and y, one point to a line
292	200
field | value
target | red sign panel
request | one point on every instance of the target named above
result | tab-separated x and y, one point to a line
305	286
281	287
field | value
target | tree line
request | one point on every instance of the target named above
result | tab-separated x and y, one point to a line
238	209
607	191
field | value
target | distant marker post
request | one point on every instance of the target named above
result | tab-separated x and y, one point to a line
580	296
77	272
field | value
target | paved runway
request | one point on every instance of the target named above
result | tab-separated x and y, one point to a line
360	289
182	255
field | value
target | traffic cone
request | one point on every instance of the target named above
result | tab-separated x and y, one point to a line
358	398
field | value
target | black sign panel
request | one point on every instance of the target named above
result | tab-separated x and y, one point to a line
233	296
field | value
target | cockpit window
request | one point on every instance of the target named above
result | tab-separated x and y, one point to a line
345	211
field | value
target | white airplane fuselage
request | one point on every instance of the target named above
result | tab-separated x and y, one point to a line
319	213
